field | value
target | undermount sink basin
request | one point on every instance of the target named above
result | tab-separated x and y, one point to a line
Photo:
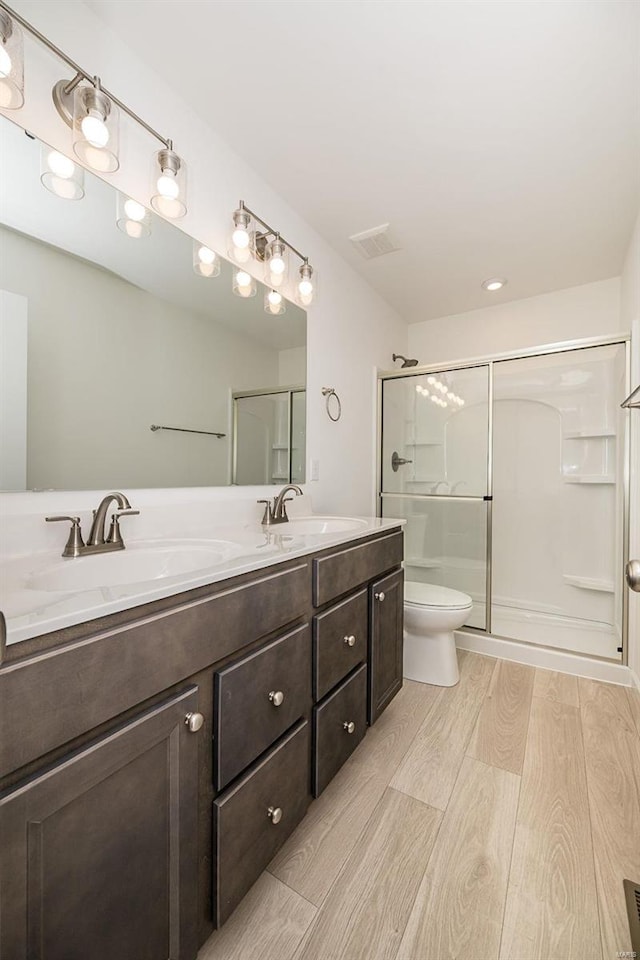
301	525
138	563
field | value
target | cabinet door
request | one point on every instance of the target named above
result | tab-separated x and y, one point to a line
99	851
386	609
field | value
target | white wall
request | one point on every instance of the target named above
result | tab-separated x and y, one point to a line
351	329
630	315
13	391
106	359
591	310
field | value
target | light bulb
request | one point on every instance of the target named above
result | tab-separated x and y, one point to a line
240	238
431	380
167	186
134	211
418	388
94	129
306	288
5	63
133	228
243	279
450	396
60	165
433	398
275	298
206	256
277	265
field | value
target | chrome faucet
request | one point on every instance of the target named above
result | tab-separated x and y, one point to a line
97	542
277	513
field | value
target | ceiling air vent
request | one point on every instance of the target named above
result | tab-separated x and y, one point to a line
375	242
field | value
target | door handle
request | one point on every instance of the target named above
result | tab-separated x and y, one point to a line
632	574
397	461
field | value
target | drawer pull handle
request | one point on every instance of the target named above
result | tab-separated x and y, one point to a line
379	596
350	641
275	814
194	721
276	697
349	726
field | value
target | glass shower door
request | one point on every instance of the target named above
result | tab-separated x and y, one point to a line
558	450
435	473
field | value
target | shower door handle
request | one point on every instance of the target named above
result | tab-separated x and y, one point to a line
633	575
397	461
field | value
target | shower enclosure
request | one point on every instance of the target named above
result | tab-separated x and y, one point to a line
512	475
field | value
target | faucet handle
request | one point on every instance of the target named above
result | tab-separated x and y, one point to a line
267	516
115	537
284	506
75	542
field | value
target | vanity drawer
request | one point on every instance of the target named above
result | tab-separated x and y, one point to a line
339	642
257	698
333	743
339	573
252	820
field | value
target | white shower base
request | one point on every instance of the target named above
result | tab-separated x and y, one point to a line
588	637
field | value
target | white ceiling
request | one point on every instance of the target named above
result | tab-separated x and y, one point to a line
498	137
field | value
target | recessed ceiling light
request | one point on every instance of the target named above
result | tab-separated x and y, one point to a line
493	283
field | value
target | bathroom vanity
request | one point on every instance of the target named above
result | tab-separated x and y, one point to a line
153	760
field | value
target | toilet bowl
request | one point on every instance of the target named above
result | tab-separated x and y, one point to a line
431	614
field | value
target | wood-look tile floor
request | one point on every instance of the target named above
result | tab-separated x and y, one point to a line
494	820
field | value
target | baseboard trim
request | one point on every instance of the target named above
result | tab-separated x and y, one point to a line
546	659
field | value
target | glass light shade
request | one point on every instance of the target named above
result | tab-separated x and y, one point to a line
206	262
306	285
60	175
274	303
244	285
11	63
169	184
276	263
240	247
132	217
96	133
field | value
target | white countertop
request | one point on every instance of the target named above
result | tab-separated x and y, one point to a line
248	546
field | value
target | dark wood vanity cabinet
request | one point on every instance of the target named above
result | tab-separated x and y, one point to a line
99	850
386	609
129	832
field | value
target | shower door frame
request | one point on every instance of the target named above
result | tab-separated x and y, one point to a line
488	361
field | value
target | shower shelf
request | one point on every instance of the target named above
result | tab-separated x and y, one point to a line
589	583
589	479
589	435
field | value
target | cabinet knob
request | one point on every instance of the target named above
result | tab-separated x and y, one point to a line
349	726
275	814
194	721
276	697
350	641
379	596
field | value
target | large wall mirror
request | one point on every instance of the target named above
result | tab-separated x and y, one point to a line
104	335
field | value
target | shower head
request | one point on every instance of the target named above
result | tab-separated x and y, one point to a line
406	362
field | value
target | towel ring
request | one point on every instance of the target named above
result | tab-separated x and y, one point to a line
328	393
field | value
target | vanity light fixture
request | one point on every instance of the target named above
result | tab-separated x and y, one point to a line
252	236
206	262
274	303
493	283
92	112
132	217
244	285
169	183
11	63
60	175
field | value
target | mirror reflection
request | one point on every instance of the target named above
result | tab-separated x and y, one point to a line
109	329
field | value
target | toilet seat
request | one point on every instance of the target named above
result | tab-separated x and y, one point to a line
434	597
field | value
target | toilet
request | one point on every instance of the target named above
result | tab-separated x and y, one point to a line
431	614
